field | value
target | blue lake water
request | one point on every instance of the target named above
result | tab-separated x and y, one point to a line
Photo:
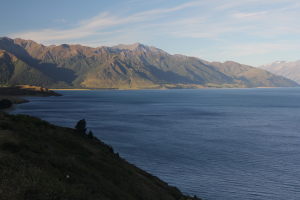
219	144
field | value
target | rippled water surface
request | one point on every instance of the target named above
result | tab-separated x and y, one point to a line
220	144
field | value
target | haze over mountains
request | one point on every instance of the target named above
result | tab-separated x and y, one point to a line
289	70
133	66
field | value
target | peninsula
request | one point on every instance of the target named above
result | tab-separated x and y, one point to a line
10	95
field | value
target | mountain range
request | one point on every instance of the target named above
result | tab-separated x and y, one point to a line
135	66
289	70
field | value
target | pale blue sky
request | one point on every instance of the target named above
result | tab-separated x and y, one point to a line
248	31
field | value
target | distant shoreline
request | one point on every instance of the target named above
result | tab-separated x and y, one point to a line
87	89
69	89
10	96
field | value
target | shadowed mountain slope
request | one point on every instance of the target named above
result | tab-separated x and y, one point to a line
14	71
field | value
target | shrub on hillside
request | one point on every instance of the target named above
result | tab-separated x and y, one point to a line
5	103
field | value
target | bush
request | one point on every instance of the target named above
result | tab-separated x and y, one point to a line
81	126
5	103
91	135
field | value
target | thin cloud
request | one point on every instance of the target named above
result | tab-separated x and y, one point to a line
255	49
204	25
99	23
249	15
233	4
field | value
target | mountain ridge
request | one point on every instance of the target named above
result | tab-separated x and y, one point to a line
134	66
288	69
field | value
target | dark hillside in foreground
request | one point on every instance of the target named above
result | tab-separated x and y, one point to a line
40	161
133	66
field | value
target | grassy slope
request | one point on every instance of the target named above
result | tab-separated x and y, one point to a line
40	161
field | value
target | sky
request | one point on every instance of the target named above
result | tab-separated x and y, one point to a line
252	32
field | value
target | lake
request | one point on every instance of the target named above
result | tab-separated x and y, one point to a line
218	144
